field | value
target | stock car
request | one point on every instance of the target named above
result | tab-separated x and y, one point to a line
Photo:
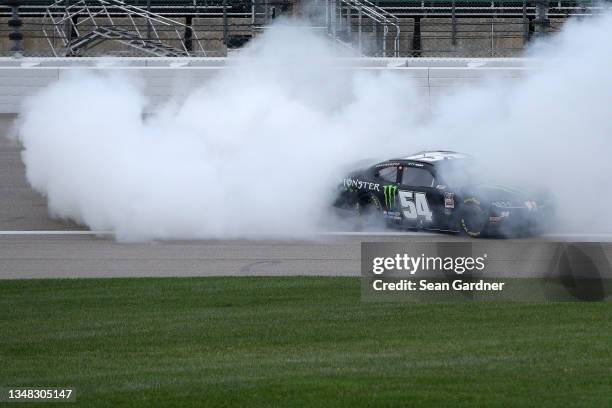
438	190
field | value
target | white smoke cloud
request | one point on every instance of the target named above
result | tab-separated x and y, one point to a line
257	150
552	128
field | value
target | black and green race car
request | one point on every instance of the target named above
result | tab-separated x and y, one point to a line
437	190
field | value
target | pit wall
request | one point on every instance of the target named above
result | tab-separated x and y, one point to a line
165	78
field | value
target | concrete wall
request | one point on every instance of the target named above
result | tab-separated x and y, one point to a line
22	77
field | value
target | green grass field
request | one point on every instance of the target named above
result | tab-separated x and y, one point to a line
208	342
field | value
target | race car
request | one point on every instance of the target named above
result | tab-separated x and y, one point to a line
439	190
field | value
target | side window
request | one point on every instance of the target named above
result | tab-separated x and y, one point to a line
417	177
388	174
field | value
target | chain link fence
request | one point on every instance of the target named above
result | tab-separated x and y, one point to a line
46	28
400	28
460	28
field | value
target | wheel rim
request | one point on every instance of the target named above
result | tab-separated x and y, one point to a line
369	207
473	219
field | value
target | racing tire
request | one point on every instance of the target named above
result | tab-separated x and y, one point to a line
367	205
368	211
474	218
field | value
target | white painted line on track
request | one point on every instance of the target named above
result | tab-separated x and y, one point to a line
56	232
380	233
330	233
560	236
579	237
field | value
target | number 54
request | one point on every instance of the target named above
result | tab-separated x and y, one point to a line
414	205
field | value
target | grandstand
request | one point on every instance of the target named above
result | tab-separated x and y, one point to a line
386	28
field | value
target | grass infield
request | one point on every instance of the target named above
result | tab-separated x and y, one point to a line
207	342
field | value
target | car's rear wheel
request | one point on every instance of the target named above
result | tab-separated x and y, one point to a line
474	218
368	211
366	205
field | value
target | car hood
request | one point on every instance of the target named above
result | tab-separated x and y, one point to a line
496	192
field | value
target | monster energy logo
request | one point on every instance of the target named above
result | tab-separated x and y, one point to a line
390	194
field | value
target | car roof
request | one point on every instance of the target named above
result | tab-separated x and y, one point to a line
431	156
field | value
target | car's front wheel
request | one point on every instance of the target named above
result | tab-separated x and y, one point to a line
474	218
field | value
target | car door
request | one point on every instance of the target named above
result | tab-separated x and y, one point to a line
420	201
387	174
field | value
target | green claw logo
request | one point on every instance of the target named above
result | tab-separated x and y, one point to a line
390	193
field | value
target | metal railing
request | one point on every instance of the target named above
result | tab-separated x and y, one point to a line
423	28
340	16
73	27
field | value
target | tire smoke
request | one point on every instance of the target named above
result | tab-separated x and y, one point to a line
259	150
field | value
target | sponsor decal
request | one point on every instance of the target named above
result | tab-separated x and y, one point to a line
393	215
449	200
391	164
414	164
349	183
390	194
497	220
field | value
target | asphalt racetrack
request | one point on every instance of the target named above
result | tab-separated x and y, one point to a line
33	245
